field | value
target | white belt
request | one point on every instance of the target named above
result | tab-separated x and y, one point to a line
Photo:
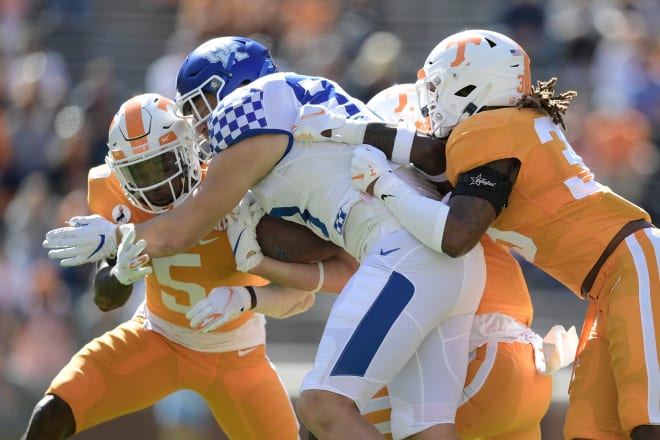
249	334
554	351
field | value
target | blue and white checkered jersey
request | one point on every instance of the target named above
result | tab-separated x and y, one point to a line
272	103
311	184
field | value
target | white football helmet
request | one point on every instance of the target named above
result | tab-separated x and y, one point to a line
153	153
399	104
470	70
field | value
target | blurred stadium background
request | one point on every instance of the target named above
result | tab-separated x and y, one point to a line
66	65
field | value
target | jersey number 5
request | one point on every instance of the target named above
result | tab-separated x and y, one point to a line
194	291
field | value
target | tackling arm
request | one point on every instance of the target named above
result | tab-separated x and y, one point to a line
230	174
281	302
336	271
400	143
453	228
403	145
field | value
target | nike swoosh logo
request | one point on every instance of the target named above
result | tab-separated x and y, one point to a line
389	251
242	353
205	242
98	248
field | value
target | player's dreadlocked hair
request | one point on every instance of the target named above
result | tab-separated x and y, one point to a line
542	99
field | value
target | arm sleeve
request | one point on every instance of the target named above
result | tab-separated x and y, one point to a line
423	217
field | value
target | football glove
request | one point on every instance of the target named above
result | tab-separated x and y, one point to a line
223	304
131	263
316	124
559	348
368	164
242	234
88	239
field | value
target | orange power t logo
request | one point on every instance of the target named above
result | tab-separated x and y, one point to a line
461	43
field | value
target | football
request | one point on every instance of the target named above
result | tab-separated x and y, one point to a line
288	241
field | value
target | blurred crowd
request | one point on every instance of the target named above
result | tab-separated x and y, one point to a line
54	115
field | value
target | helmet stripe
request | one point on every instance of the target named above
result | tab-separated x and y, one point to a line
134	123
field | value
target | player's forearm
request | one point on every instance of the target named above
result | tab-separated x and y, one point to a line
308	276
404	145
164	238
281	302
428	154
302	276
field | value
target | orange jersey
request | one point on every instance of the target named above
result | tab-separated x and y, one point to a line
505	291
558	217
178	281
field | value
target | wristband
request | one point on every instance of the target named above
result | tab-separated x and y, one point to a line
321	277
403	144
253	296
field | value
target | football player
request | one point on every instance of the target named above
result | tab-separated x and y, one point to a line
517	178
508	388
153	165
389	324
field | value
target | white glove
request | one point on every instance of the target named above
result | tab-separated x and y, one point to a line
89	239
316	124
368	164
131	262
223	304
242	234
559	347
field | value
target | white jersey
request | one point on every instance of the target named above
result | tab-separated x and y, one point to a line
394	308
330	206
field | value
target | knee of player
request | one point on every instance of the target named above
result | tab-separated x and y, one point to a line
52	415
305	406
313	407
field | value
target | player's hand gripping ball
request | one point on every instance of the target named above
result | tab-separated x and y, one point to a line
289	241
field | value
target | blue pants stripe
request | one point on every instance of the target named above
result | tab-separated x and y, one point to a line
372	329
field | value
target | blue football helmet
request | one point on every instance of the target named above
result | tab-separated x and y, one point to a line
218	67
